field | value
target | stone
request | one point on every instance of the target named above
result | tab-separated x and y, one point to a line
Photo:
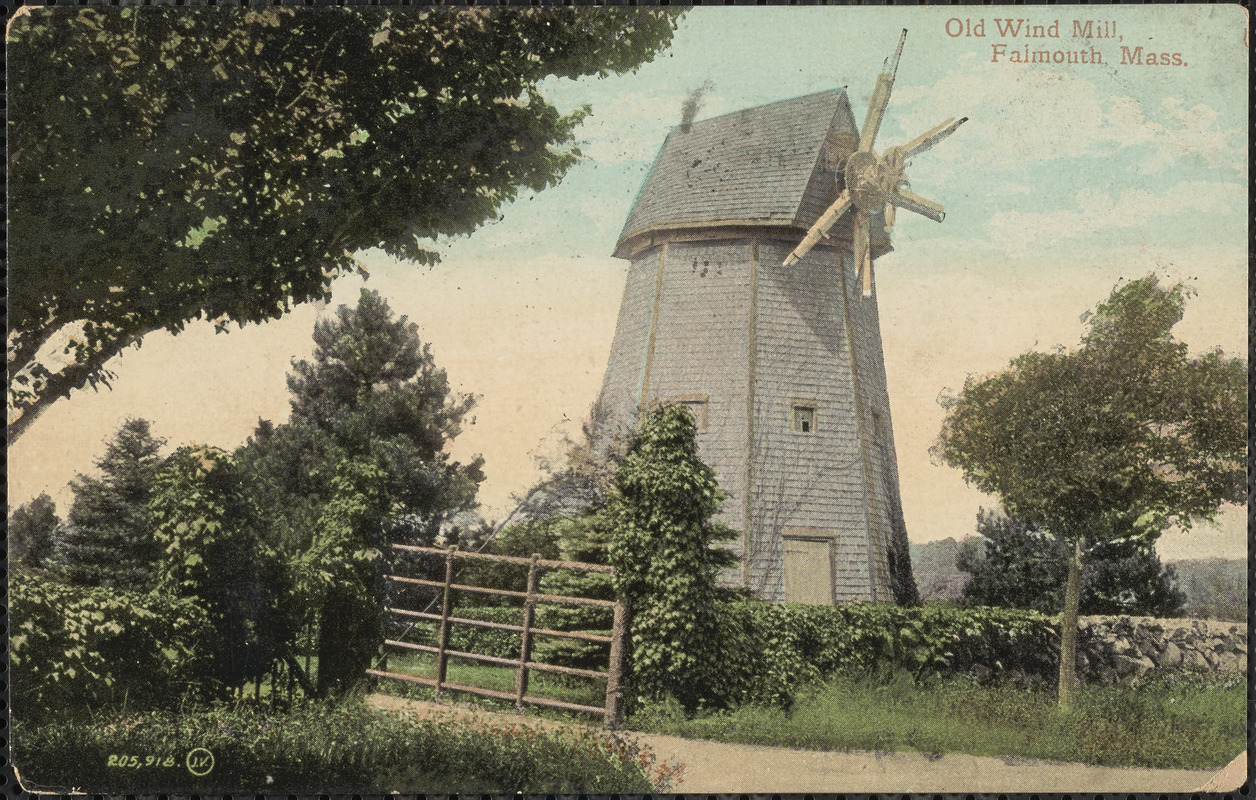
1171	656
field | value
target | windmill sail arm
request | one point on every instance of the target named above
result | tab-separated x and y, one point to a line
927	140
820	228
914	202
881	96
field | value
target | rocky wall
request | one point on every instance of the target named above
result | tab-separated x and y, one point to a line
1122	648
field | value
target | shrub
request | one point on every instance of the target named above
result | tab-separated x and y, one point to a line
74	649
342	748
771	649
467	638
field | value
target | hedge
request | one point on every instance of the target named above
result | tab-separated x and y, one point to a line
771	649
505	644
77	649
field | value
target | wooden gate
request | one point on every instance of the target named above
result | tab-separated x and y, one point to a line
612	710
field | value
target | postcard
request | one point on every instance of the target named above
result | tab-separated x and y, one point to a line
590	400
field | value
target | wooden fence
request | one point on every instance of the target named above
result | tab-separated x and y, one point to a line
612	710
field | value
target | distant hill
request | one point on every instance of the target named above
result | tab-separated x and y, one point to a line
933	564
1216	588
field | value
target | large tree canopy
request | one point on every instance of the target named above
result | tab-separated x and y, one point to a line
1114	441
172	164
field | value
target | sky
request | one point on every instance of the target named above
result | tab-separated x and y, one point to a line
1067	179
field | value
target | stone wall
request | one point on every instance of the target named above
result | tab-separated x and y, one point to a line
1121	648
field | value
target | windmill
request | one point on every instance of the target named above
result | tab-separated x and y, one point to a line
775	345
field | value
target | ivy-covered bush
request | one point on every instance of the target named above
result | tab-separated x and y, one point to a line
666	554
206	529
77	649
769	649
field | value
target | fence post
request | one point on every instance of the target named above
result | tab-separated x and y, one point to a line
442	660
525	639
614	671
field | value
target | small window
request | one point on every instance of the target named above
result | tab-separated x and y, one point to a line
804	418
697	404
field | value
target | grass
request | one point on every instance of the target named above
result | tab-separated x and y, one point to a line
584	691
344	747
1167	724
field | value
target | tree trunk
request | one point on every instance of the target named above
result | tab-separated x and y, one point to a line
1068	625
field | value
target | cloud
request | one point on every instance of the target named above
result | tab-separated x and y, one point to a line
1020	116
1096	210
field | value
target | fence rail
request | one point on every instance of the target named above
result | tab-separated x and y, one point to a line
612	710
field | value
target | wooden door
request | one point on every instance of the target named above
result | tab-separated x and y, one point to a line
808	571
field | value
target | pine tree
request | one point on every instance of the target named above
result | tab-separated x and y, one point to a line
108	539
362	458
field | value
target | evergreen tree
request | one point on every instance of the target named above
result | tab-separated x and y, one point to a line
1019	565
362	459
31	530
108	538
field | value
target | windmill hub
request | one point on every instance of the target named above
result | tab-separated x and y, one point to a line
870	180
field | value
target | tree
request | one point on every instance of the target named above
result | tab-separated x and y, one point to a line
1018	565
664	550
1114	441
108	539
211	553
31	529
361	461
225	163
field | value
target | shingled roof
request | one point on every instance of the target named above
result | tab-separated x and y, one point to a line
759	166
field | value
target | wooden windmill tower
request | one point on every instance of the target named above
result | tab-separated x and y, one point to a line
750	298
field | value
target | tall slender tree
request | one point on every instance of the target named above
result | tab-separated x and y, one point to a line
1114	441
108	538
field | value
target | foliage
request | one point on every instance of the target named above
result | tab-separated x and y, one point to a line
31	530
225	163
362	459
1118	439
1016	564
73	649
585	539
664	550
467	638
773	649
210	552
372	393
1114	441
343	748
1161	725
522	540
108	539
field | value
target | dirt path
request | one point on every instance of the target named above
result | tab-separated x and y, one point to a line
718	767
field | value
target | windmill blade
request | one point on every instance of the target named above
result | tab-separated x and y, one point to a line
863	250
914	202
881	97
927	140
820	229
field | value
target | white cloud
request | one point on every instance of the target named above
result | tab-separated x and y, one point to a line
1018	116
1096	210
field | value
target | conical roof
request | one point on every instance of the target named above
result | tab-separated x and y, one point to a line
766	165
